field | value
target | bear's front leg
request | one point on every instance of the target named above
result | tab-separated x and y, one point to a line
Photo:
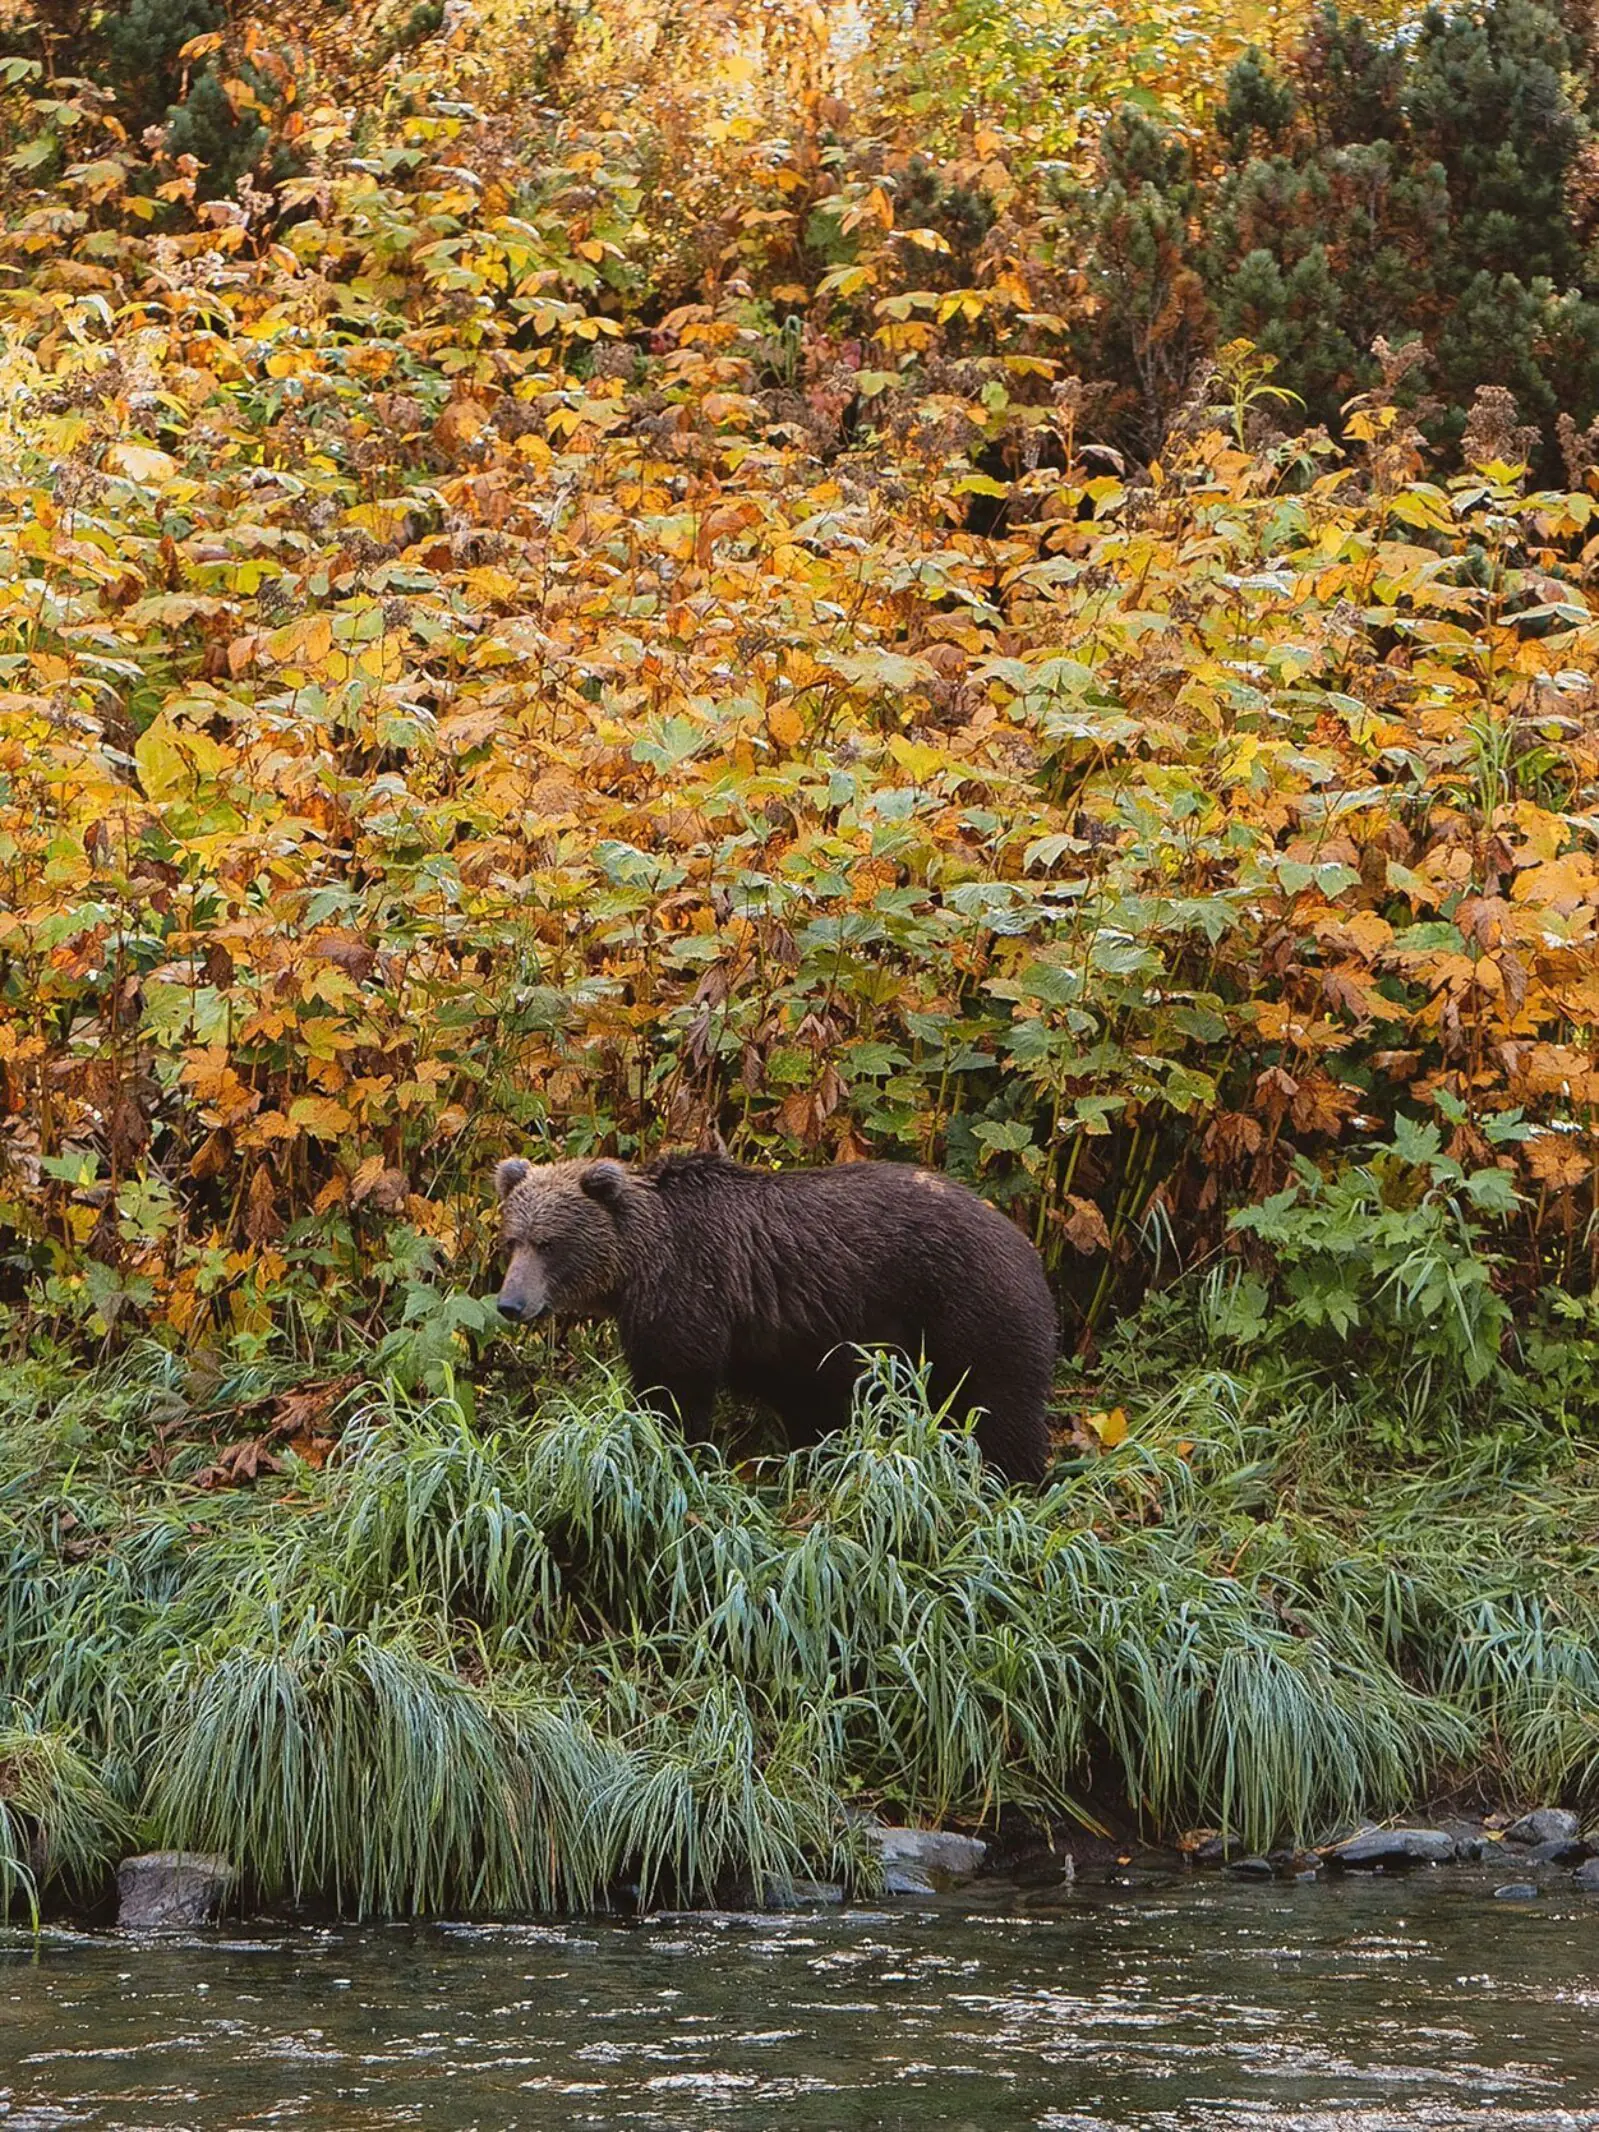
684	1397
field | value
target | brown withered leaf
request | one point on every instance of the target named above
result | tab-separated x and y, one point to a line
224	1098
302	1411
1346	988
794	1114
211	1157
463	419
1275	1090
238	1463
348	952
374	1180
128	1130
1084	1225
1322	1105
1557	1161
263	1224
1232	1136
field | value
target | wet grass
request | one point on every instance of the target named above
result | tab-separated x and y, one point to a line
512	1661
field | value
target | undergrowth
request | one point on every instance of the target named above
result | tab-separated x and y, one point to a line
497	1662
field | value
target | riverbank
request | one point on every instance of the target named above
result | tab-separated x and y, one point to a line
507	1653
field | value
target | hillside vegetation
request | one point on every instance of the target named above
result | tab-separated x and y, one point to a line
1007	585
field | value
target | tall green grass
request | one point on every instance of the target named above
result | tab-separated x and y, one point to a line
521	1661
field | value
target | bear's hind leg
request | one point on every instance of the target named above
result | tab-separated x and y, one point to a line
807	1418
1012	1429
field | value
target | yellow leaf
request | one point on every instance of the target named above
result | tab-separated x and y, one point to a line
319	1116
170	759
307	641
1110	1428
921	760
141	462
1559	884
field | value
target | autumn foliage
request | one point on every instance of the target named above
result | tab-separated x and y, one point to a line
557	615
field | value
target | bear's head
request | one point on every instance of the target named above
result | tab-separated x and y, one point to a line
561	1236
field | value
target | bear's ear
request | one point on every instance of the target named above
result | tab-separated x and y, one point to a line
509	1174
605	1181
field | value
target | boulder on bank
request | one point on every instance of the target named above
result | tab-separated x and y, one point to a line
1587	1877
1560	1853
1394	1847
1545	1824
926	1861
171	1891
801	1894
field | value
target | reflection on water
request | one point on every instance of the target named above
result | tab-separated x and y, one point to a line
1364	2006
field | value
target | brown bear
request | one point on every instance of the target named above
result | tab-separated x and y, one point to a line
767	1283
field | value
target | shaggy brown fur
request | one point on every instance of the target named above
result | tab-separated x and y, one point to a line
766	1282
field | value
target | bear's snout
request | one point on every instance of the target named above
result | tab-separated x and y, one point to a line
525	1293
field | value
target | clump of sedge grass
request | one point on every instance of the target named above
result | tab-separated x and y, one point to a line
506	1664
59	1824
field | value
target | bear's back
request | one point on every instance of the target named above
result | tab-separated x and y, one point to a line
829	1249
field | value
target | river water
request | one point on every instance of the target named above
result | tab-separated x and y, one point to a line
1354	2006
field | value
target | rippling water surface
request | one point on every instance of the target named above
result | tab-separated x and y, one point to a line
1363	2006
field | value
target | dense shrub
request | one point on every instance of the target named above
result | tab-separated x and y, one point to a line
459	696
1421	184
141	43
225	142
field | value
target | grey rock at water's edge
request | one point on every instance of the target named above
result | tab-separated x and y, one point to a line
1587	1877
926	1861
1251	1869
171	1891
1545	1824
1516	1891
801	1894
1563	1851
1395	1846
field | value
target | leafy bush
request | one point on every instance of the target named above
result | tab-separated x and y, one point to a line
1381	1271
367	817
